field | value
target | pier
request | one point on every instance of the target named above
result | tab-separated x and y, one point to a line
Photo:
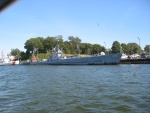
135	61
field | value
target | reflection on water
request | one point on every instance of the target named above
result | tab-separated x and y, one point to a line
75	89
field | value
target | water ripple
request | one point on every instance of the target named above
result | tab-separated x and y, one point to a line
75	89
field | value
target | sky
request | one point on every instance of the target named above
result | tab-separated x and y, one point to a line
93	21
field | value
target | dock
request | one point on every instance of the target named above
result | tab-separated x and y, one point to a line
135	61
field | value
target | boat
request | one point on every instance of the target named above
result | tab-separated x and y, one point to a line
7	61
15	62
58	58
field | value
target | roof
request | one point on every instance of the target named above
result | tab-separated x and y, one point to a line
5	3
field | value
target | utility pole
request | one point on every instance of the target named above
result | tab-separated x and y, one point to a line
139	45
120	49
105	47
78	47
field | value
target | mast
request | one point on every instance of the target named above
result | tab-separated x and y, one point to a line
2	54
57	48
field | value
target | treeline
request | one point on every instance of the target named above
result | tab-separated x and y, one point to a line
43	47
72	46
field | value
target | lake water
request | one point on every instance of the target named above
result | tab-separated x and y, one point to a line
75	89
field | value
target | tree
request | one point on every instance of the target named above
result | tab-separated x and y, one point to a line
147	48
15	52
96	49
50	43
125	48
74	39
133	48
115	47
83	48
66	48
74	44
33	44
25	55
41	49
88	48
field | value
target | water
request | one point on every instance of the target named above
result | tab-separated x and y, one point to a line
75	89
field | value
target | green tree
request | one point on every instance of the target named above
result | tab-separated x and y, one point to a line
15	52
66	48
29	44
125	48
41	49
74	44
115	47
38	44
25	55
33	44
50	43
147	48
83	48
72	47
133	48
75	40
88	47
96	49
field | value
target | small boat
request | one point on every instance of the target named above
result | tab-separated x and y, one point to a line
5	62
58	58
15	62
